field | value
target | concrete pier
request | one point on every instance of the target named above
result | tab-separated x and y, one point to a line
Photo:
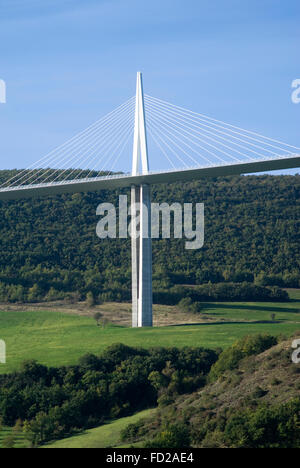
141	248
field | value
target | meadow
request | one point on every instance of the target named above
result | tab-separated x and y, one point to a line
58	338
18	439
107	435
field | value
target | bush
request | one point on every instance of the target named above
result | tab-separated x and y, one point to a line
56	402
267	427
247	346
90	299
133	431
187	305
98	316
72	297
218	292
173	436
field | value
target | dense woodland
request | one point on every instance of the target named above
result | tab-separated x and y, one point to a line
250	400
56	402
49	249
244	396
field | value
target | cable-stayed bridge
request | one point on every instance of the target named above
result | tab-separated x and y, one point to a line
189	146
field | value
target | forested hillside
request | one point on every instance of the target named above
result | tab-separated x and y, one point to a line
244	396
251	400
56	402
49	247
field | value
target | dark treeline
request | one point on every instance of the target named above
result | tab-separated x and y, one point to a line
55	402
49	249
220	292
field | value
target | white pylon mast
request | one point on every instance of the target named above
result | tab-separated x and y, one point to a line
141	244
140	148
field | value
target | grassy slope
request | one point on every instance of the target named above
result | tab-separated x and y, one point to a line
107	435
55	338
19	440
271	371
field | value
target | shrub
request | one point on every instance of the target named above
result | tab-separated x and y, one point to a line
266	427
173	436
97	317
133	431
247	346
90	299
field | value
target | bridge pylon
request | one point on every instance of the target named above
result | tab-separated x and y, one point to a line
141	243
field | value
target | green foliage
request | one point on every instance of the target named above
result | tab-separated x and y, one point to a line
173	436
187	305
241	411
158	380
247	346
49	248
55	402
98	316
188	298
12	437
90	299
266	427
35	293
132	432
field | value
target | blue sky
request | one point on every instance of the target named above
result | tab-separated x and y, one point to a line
68	62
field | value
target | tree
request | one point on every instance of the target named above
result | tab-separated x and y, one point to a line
34	293
72	298
173	436
187	305
90	299
56	402
28	434
39	429
98	316
249	345
158	380
18	427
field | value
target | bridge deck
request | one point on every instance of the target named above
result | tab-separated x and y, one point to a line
126	180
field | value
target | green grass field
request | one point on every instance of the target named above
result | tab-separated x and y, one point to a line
19	441
56	339
107	435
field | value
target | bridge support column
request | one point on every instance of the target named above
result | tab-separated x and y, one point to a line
141	257
141	238
135	252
